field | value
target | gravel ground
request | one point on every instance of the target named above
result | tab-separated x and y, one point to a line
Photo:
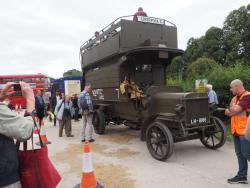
121	160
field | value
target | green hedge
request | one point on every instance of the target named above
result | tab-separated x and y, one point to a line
222	76
218	75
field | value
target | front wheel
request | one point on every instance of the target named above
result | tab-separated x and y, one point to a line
214	137
160	141
99	121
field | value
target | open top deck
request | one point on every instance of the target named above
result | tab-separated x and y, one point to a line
124	35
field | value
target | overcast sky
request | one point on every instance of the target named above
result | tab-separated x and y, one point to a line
44	36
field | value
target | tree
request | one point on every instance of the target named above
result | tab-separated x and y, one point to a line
176	68
220	56
194	49
72	72
213	45
200	68
236	31
210	46
227	45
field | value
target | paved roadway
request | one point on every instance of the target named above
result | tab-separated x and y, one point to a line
121	160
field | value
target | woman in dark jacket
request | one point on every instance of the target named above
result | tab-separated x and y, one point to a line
13	126
40	106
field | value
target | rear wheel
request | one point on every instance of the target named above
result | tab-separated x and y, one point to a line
99	121
214	137
159	141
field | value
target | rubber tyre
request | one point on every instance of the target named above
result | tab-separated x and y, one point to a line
164	138
220	125
99	121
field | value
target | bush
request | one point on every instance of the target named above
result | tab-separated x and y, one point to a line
198	69
186	86
218	75
221	77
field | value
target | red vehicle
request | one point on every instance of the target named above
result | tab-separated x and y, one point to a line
36	81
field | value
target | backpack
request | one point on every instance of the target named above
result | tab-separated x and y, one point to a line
83	102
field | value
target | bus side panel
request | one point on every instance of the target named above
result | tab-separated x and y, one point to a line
135	34
102	50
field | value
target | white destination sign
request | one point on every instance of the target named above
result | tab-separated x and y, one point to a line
151	20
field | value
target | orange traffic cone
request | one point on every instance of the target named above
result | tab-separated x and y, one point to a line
88	178
43	134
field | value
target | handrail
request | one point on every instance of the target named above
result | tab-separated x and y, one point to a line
102	30
92	39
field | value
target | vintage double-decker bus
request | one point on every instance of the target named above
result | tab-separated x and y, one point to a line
37	82
126	65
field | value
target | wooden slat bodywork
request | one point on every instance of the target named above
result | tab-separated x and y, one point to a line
105	49
146	34
104	76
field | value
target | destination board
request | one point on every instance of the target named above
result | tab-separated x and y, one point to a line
151	20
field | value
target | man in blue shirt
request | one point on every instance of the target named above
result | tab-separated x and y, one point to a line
212	96
87	130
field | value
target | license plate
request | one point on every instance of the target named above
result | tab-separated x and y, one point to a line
198	120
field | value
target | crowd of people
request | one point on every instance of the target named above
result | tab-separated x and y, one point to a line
14	126
63	109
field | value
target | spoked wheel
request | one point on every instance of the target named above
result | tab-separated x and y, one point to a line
99	121
214	137
159	141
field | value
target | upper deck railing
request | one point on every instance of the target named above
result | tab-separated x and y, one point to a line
114	27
